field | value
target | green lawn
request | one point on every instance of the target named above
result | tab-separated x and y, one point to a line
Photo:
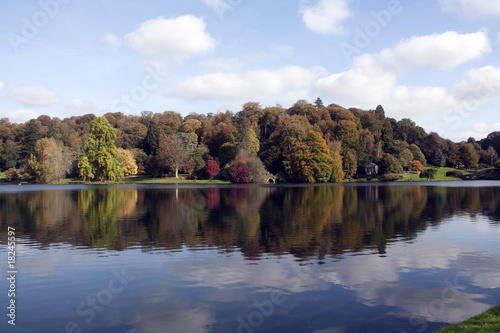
144	179
439	176
487	322
167	180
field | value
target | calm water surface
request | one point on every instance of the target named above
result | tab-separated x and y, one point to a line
399	258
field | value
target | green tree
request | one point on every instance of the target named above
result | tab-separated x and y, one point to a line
406	157
350	163
99	159
319	103
469	155
438	159
31	134
379	111
152	139
417	154
50	161
309	160
347	132
227	153
390	164
10	155
247	139
337	171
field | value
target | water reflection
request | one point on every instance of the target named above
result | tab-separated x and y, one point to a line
308	222
342	258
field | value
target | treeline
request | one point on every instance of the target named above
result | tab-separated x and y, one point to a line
304	143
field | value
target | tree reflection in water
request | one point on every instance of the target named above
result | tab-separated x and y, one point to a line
306	221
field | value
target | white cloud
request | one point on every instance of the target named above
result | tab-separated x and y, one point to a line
219	6
373	78
224	64
368	87
439	51
325	16
34	96
363	87
482	85
159	37
498	38
480	130
112	40
471	8
1	84
252	85
21	115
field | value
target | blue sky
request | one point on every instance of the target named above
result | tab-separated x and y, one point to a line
434	61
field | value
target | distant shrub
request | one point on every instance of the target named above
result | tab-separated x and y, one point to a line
11	175
454	173
428	173
391	177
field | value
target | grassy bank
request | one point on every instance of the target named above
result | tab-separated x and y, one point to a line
144	179
440	175
487	322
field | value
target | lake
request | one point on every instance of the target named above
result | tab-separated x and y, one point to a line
280	258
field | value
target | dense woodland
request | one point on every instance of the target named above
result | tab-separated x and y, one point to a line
305	143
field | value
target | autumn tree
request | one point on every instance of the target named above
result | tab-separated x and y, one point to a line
211	169
127	162
190	126
239	173
417	166
99	159
309	160
172	154
50	161
258	172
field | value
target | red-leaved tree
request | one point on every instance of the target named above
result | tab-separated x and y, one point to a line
211	169
239	173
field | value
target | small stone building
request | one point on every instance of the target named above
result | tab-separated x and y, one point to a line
371	169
